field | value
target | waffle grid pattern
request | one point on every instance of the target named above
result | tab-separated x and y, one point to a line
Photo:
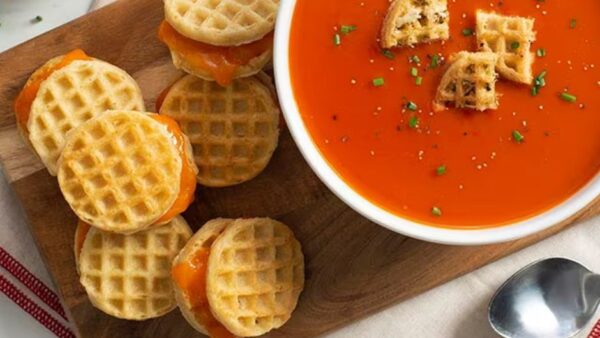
510	37
255	275
73	95
128	276
233	130
470	82
410	22
222	22
120	171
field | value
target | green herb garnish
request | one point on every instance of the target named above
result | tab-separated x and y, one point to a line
337	39
388	54
467	32
515	45
437	212
419	81
568	97
573	23
378	82
414	72
412	106
413	122
435	61
441	170
347	29
517	136
541	52
37	19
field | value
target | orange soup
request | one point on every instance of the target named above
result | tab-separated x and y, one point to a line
371	114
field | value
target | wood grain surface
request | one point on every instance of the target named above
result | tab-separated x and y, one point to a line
353	266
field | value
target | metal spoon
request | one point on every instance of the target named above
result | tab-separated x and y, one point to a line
552	298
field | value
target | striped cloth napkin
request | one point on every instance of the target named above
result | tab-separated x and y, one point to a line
459	307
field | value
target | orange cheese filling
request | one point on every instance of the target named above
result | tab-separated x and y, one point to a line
188	176
82	230
29	92
190	277
220	62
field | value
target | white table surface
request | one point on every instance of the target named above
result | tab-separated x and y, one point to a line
456	309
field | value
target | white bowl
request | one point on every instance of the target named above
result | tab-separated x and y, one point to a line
429	233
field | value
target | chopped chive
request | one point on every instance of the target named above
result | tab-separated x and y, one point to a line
538	83
411	106
535	90
435	211
419	81
37	19
515	45
414	72
337	39
415	59
573	23
467	32
541	52
517	136
378	82
413	122
388	54
568	97
435	61
347	29
441	170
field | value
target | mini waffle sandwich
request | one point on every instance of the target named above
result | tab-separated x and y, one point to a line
128	276
510	37
239	277
64	93
219	39
125	171
410	22
233	130
469	82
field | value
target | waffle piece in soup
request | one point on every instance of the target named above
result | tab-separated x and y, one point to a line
125	171
233	130
66	92
128	276
250	272
469	82
411	22
510	37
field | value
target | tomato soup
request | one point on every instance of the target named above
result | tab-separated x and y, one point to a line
371	114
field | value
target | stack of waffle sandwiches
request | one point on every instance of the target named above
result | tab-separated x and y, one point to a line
129	174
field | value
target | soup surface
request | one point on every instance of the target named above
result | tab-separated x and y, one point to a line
454	168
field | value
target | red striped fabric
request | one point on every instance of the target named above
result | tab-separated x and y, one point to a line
595	331
20	272
34	310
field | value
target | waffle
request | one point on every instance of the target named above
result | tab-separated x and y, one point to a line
234	130
469	82
222	22
510	37
410	22
120	171
255	276
128	276
253	67
73	95
203	239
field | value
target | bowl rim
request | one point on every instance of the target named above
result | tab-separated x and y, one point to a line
315	159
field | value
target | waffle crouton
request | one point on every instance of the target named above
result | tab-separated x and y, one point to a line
469	82
510	37
410	22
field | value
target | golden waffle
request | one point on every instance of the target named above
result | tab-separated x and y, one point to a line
128	276
253	67
470	82
410	22
234	130
120	171
203	239
73	95
510	37
222	22
255	276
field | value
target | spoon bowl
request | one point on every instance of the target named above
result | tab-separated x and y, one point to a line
552	298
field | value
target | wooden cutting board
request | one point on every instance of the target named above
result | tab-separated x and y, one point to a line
353	267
